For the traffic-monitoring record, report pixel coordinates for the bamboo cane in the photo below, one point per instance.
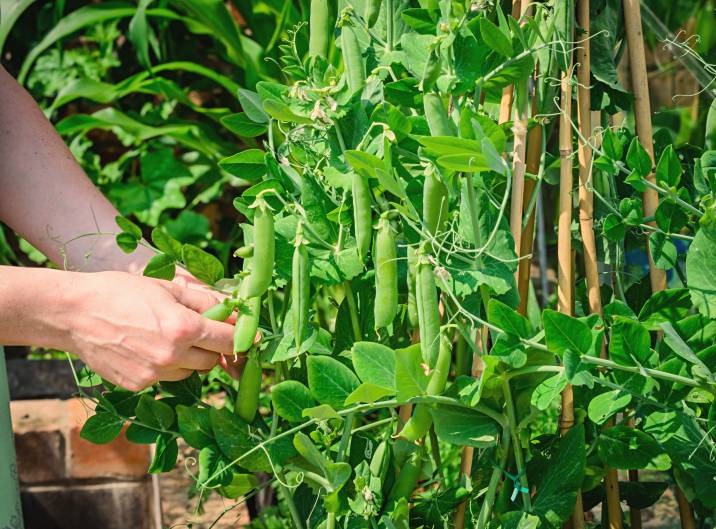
(642, 115)
(534, 154)
(508, 91)
(565, 259)
(586, 221)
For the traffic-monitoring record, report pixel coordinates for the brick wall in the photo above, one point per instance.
(68, 483)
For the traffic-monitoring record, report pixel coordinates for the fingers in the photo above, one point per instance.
(215, 336)
(172, 375)
(196, 300)
(197, 359)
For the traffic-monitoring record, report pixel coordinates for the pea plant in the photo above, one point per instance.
(410, 374)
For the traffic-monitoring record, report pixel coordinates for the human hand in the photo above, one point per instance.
(135, 331)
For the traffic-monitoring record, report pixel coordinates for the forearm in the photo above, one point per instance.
(33, 307)
(45, 195)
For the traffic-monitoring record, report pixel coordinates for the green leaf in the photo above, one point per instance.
(247, 165)
(495, 39)
(235, 439)
(290, 398)
(611, 145)
(330, 381)
(251, 104)
(374, 363)
(140, 435)
(701, 272)
(464, 427)
(126, 241)
(165, 454)
(243, 126)
(663, 251)
(102, 428)
(630, 344)
(368, 392)
(548, 391)
(410, 373)
(449, 145)
(665, 306)
(638, 159)
(613, 227)
(626, 448)
(186, 390)
(155, 413)
(604, 406)
(240, 485)
(194, 426)
(670, 217)
(202, 265)
(467, 163)
(281, 112)
(564, 332)
(508, 319)
(557, 492)
(161, 266)
(668, 170)
(322, 412)
(128, 226)
(167, 244)
(681, 348)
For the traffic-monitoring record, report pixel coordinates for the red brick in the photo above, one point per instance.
(39, 440)
(120, 458)
(97, 506)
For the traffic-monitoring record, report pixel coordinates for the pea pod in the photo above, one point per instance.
(362, 218)
(386, 275)
(321, 24)
(436, 114)
(245, 252)
(419, 424)
(407, 479)
(380, 460)
(372, 12)
(247, 323)
(435, 203)
(432, 70)
(219, 312)
(412, 302)
(261, 266)
(300, 287)
(353, 65)
(247, 400)
(428, 314)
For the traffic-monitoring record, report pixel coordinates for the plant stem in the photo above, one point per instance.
(517, 446)
(486, 509)
(353, 309)
(345, 438)
(390, 13)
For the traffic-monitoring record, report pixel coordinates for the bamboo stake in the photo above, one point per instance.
(642, 115)
(508, 91)
(534, 154)
(565, 259)
(586, 221)
(519, 163)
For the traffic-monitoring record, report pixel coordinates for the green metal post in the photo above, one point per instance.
(10, 512)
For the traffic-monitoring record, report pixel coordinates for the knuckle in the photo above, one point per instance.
(180, 329)
(165, 357)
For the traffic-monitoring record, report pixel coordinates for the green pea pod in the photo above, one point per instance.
(321, 25)
(435, 203)
(419, 424)
(247, 323)
(245, 252)
(412, 302)
(372, 12)
(300, 287)
(353, 65)
(436, 114)
(433, 69)
(407, 479)
(261, 272)
(247, 400)
(362, 218)
(219, 312)
(386, 275)
(380, 460)
(426, 295)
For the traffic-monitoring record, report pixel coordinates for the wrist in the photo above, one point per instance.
(37, 306)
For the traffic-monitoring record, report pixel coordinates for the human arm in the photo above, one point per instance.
(131, 330)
